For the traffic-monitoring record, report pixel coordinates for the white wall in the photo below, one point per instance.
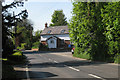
(65, 37)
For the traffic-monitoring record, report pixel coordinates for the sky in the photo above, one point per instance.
(40, 11)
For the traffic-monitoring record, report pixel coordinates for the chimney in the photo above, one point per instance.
(46, 25)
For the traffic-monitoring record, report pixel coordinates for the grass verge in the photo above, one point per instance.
(84, 56)
(8, 72)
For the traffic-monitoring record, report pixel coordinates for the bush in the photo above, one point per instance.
(22, 46)
(17, 56)
(43, 47)
(81, 55)
(7, 48)
(36, 45)
(117, 59)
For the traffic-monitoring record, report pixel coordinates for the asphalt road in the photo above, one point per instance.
(62, 65)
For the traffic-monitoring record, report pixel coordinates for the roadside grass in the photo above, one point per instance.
(17, 58)
(115, 59)
(8, 72)
(83, 55)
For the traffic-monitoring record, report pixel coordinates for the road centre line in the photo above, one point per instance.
(55, 61)
(74, 69)
(67, 66)
(96, 76)
(27, 74)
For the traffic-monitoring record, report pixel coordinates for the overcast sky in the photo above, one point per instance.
(40, 11)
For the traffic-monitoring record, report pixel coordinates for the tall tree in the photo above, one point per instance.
(25, 28)
(8, 21)
(36, 37)
(95, 30)
(86, 29)
(58, 18)
(111, 21)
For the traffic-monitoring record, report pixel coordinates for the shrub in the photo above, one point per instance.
(17, 56)
(36, 45)
(43, 47)
(22, 46)
(117, 59)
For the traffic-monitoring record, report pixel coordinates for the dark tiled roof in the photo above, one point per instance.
(55, 30)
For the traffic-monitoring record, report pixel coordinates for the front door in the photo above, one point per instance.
(52, 43)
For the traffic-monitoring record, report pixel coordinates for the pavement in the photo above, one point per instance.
(62, 65)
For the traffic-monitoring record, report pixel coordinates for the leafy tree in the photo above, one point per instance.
(8, 21)
(36, 36)
(58, 18)
(25, 28)
(86, 29)
(111, 22)
(36, 39)
(94, 29)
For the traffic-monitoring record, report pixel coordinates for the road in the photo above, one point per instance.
(49, 65)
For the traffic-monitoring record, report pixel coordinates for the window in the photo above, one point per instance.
(62, 41)
(52, 41)
(62, 31)
(49, 32)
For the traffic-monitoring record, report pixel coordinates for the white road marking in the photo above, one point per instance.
(27, 74)
(74, 69)
(55, 61)
(96, 76)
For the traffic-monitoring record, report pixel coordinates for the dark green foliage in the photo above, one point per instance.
(111, 22)
(95, 30)
(8, 21)
(36, 39)
(43, 47)
(8, 72)
(36, 45)
(16, 58)
(26, 36)
(36, 36)
(8, 48)
(58, 18)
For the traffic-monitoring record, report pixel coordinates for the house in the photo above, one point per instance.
(55, 37)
